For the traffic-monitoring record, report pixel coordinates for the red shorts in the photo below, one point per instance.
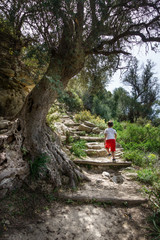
(111, 143)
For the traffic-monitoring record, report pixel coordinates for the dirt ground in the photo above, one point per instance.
(33, 213)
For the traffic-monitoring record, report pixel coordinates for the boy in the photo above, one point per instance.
(110, 140)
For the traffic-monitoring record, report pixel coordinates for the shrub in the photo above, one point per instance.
(87, 116)
(137, 157)
(117, 126)
(78, 148)
(146, 138)
(148, 176)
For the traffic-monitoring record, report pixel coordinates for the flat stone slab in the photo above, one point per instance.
(92, 139)
(96, 152)
(103, 163)
(71, 124)
(94, 146)
(104, 196)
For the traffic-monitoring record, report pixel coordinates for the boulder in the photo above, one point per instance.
(89, 124)
(96, 130)
(61, 128)
(85, 128)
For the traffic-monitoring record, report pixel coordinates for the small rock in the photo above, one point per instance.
(117, 179)
(106, 175)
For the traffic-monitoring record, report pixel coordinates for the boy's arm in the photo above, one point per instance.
(115, 136)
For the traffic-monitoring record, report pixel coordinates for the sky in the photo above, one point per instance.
(142, 57)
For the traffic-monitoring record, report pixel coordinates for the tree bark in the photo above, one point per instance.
(37, 137)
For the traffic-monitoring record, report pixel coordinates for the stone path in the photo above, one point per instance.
(108, 183)
(108, 207)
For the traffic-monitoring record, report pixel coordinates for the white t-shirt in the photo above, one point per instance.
(110, 133)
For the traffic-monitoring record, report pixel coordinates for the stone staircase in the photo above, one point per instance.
(109, 182)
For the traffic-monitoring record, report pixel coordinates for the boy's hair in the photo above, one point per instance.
(110, 124)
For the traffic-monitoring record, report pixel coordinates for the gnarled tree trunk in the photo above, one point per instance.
(37, 137)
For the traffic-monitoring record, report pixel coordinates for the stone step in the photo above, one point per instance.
(70, 124)
(65, 117)
(104, 196)
(92, 139)
(96, 152)
(100, 152)
(94, 146)
(99, 162)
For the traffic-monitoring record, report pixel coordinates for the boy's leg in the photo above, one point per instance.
(113, 149)
(113, 155)
(107, 147)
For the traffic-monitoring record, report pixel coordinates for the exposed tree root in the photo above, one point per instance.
(15, 153)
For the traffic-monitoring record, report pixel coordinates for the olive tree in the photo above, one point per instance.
(71, 30)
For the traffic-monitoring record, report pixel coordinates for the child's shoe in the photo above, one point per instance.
(109, 154)
(114, 160)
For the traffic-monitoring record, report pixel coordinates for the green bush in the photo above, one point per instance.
(137, 157)
(78, 148)
(148, 176)
(145, 138)
(87, 116)
(117, 126)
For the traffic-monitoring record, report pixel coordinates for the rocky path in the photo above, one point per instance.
(108, 182)
(110, 206)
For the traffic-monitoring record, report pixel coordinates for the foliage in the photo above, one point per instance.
(142, 146)
(87, 116)
(54, 114)
(117, 126)
(136, 156)
(155, 229)
(99, 107)
(36, 58)
(97, 71)
(72, 101)
(154, 219)
(78, 148)
(144, 90)
(148, 176)
(140, 137)
(38, 166)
